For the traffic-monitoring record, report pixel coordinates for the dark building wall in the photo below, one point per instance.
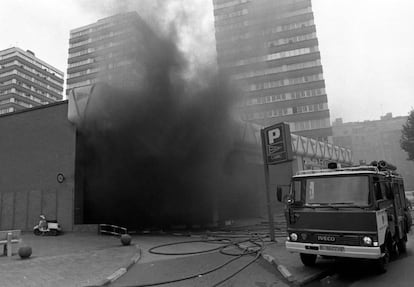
(36, 145)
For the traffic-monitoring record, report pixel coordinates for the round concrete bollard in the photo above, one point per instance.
(25, 252)
(126, 239)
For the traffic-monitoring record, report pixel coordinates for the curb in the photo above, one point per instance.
(281, 268)
(290, 277)
(121, 271)
(286, 273)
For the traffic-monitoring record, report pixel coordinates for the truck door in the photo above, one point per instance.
(399, 211)
(384, 202)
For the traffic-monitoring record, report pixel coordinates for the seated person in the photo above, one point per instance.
(42, 223)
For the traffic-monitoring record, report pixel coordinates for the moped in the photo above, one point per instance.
(53, 229)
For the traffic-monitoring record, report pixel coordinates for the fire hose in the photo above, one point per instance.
(256, 249)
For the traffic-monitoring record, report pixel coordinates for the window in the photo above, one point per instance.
(377, 189)
(7, 110)
(343, 190)
(297, 188)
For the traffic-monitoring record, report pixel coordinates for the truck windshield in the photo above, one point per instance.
(339, 190)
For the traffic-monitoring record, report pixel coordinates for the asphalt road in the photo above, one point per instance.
(258, 274)
(400, 272)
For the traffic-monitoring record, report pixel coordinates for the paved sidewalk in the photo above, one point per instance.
(89, 259)
(71, 259)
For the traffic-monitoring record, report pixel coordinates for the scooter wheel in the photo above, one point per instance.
(37, 232)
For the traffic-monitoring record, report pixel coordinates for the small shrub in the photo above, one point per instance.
(126, 239)
(25, 252)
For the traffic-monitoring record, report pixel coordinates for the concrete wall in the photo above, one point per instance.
(35, 146)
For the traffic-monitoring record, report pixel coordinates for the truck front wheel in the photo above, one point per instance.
(308, 259)
(382, 263)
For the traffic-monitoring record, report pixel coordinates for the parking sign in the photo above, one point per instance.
(276, 143)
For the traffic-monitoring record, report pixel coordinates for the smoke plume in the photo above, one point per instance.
(161, 151)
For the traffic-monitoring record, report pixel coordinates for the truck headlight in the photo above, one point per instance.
(293, 237)
(367, 240)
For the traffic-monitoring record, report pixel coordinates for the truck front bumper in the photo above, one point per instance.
(334, 250)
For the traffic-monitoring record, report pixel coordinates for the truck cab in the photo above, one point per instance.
(355, 212)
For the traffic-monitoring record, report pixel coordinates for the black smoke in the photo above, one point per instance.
(164, 151)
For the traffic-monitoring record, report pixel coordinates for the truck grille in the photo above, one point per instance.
(354, 240)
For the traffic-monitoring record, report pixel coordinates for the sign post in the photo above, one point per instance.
(276, 148)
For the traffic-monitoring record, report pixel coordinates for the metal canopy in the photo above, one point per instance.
(314, 149)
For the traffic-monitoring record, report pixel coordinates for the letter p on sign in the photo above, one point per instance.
(273, 135)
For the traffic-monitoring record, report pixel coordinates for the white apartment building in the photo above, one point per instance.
(26, 81)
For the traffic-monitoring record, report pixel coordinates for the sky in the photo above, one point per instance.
(366, 46)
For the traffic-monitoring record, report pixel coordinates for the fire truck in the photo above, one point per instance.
(355, 212)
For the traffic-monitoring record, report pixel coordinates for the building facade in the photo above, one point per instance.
(271, 50)
(26, 81)
(105, 51)
(39, 146)
(374, 141)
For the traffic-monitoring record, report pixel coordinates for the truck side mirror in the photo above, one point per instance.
(279, 193)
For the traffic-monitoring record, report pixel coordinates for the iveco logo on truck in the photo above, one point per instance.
(364, 206)
(326, 238)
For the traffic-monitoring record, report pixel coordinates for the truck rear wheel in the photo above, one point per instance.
(402, 244)
(394, 250)
(308, 259)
